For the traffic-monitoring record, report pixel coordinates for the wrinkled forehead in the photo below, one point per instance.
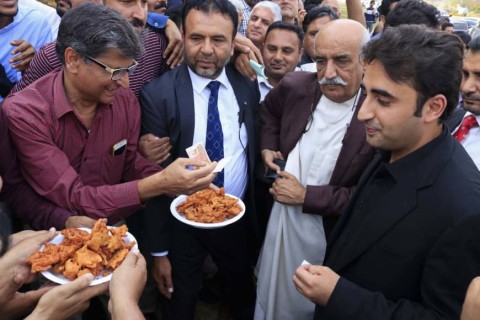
(335, 44)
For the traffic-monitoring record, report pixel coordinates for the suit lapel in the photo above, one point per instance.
(402, 200)
(246, 103)
(186, 109)
(376, 226)
(455, 118)
(345, 216)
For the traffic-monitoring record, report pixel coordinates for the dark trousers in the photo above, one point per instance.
(229, 250)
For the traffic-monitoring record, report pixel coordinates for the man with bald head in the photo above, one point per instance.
(316, 132)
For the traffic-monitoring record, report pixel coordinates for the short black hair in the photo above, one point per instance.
(474, 44)
(318, 12)
(413, 12)
(312, 3)
(174, 13)
(446, 24)
(427, 60)
(224, 7)
(465, 37)
(384, 8)
(281, 25)
(92, 29)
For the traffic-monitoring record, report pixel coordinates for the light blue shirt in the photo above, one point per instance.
(28, 24)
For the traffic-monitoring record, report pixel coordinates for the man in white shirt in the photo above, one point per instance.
(281, 53)
(467, 131)
(309, 120)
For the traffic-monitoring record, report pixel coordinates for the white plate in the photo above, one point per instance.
(60, 279)
(181, 217)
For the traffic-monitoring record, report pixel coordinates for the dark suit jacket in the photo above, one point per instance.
(415, 259)
(168, 110)
(455, 119)
(285, 113)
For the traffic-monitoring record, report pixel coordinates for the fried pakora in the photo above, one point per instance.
(210, 206)
(99, 252)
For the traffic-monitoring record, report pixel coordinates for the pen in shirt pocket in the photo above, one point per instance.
(119, 147)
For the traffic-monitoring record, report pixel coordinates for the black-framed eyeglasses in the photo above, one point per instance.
(116, 74)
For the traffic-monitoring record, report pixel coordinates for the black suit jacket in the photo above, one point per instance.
(415, 259)
(168, 110)
(455, 119)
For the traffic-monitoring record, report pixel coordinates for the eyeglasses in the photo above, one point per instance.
(116, 74)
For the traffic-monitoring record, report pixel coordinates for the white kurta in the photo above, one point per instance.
(293, 236)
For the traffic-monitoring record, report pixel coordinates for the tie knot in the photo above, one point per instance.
(469, 122)
(213, 86)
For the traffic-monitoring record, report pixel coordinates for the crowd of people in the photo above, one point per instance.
(354, 143)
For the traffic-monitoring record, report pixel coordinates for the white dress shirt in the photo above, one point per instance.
(471, 142)
(234, 137)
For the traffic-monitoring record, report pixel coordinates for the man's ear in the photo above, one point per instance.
(72, 60)
(301, 55)
(434, 108)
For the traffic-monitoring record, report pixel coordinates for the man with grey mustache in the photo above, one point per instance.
(310, 120)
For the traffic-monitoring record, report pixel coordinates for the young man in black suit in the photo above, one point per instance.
(179, 105)
(407, 245)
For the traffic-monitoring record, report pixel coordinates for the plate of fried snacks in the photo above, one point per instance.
(76, 251)
(208, 209)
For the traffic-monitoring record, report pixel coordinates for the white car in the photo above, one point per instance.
(462, 10)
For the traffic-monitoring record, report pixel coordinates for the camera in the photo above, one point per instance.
(271, 175)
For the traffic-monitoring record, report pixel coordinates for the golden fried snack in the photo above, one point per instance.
(99, 252)
(117, 258)
(209, 206)
(87, 258)
(71, 269)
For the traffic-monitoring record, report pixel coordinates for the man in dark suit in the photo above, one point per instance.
(310, 121)
(464, 122)
(178, 105)
(407, 245)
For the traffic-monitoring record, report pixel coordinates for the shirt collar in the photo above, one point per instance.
(468, 113)
(264, 82)
(62, 104)
(403, 166)
(199, 83)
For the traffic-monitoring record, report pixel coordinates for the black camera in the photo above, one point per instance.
(271, 175)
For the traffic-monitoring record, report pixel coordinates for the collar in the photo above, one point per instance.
(62, 105)
(468, 113)
(21, 11)
(403, 166)
(264, 82)
(156, 21)
(200, 83)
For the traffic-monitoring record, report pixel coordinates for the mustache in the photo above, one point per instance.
(334, 81)
(471, 96)
(136, 23)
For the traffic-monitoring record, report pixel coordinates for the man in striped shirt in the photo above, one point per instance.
(151, 64)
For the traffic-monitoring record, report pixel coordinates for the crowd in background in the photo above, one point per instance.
(352, 136)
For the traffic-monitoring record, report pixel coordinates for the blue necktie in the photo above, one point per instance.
(214, 143)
